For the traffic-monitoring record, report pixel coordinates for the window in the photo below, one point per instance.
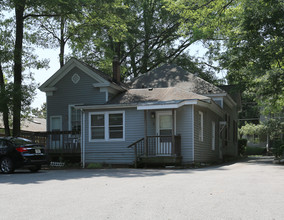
(107, 126)
(200, 116)
(74, 119)
(115, 126)
(98, 127)
(213, 135)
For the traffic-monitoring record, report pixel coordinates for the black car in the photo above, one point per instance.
(21, 153)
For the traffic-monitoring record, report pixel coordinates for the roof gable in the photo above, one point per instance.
(97, 75)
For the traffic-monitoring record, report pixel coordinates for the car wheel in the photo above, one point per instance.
(7, 165)
(35, 168)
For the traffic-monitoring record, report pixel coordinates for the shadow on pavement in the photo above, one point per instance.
(25, 177)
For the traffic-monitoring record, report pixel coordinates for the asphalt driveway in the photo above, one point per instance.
(252, 189)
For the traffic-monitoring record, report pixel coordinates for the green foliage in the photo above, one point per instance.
(94, 166)
(242, 144)
(254, 51)
(255, 151)
(252, 129)
(278, 148)
(275, 127)
(272, 126)
(143, 34)
(40, 112)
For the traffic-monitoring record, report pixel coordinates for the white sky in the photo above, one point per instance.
(43, 74)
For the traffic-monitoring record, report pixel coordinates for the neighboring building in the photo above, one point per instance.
(30, 124)
(166, 116)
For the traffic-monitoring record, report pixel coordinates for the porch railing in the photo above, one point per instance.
(56, 141)
(157, 146)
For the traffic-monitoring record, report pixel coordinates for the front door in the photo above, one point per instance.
(164, 128)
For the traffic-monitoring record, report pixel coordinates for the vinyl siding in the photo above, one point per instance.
(116, 152)
(184, 128)
(203, 149)
(68, 93)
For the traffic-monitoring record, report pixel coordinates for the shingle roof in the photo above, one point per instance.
(170, 75)
(155, 95)
(32, 125)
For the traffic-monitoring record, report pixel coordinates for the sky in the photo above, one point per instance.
(44, 74)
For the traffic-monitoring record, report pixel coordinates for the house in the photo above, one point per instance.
(165, 116)
(33, 124)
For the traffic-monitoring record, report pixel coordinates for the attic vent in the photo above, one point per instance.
(75, 78)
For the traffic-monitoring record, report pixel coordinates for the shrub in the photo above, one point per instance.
(255, 150)
(94, 166)
(277, 148)
(242, 143)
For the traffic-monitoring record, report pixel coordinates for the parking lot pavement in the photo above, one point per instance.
(251, 189)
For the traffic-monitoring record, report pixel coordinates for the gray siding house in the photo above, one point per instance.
(165, 116)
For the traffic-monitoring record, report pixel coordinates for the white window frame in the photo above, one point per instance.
(106, 118)
(213, 135)
(201, 126)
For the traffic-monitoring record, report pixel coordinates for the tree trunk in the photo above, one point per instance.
(4, 103)
(17, 93)
(62, 42)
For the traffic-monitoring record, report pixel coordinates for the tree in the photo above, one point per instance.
(40, 112)
(144, 35)
(5, 58)
(24, 11)
(254, 56)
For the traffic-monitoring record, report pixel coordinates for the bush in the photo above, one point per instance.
(277, 148)
(255, 150)
(242, 143)
(94, 166)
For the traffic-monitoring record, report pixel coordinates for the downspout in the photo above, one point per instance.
(145, 133)
(173, 132)
(83, 138)
(193, 133)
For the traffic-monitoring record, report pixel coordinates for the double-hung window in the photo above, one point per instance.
(98, 127)
(115, 126)
(107, 126)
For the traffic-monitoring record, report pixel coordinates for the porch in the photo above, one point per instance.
(157, 150)
(160, 144)
(58, 144)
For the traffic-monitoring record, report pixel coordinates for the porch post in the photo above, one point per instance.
(173, 132)
(145, 134)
